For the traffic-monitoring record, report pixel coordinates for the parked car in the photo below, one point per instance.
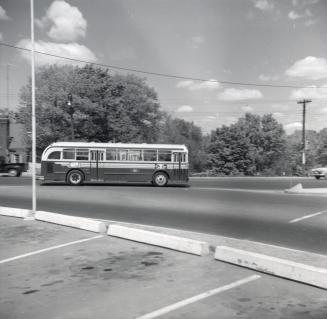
(319, 172)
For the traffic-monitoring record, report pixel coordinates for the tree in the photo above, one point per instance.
(178, 131)
(252, 145)
(293, 158)
(322, 148)
(104, 108)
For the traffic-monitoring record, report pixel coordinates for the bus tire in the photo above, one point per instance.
(160, 179)
(75, 178)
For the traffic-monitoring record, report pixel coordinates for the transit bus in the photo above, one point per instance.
(78, 162)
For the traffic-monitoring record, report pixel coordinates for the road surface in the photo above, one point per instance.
(246, 208)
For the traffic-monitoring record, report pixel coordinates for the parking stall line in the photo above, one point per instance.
(48, 249)
(306, 217)
(199, 297)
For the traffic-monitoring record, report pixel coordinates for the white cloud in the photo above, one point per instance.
(196, 41)
(3, 14)
(264, 5)
(211, 84)
(324, 110)
(310, 67)
(232, 94)
(302, 3)
(1, 36)
(66, 22)
(313, 92)
(278, 115)
(70, 50)
(185, 109)
(291, 127)
(247, 108)
(307, 15)
(294, 15)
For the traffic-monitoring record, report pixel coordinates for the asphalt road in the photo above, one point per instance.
(246, 208)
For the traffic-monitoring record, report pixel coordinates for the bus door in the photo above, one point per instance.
(97, 165)
(177, 166)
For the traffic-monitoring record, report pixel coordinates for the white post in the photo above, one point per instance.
(33, 113)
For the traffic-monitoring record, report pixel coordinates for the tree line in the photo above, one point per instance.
(123, 108)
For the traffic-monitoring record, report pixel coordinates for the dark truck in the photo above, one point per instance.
(12, 160)
(13, 169)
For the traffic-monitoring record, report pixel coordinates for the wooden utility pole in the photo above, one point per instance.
(304, 102)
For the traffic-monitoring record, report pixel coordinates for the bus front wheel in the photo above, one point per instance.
(160, 179)
(75, 178)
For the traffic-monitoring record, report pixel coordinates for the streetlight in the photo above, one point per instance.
(71, 111)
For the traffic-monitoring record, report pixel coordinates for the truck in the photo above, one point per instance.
(13, 169)
(11, 159)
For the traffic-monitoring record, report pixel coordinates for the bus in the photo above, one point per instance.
(77, 162)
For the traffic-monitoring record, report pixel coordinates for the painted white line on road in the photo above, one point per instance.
(306, 217)
(199, 297)
(48, 249)
(268, 191)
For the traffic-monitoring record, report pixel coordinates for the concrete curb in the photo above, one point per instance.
(273, 266)
(72, 221)
(298, 189)
(15, 212)
(182, 244)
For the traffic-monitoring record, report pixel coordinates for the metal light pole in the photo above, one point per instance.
(33, 113)
(71, 113)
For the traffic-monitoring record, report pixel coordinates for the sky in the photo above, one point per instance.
(221, 58)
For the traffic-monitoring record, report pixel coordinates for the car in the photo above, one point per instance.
(319, 172)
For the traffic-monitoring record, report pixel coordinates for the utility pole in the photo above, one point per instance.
(304, 102)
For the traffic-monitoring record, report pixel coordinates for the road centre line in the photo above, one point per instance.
(199, 297)
(48, 249)
(306, 217)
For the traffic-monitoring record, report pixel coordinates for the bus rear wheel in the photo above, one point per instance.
(160, 179)
(75, 178)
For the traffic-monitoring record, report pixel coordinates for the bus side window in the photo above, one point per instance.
(68, 153)
(164, 156)
(54, 155)
(82, 154)
(122, 155)
(111, 154)
(134, 155)
(150, 155)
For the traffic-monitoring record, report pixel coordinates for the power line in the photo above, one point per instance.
(162, 74)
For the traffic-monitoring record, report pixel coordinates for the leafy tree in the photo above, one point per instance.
(178, 131)
(252, 145)
(104, 107)
(322, 148)
(293, 159)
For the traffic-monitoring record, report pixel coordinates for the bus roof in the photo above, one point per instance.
(119, 145)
